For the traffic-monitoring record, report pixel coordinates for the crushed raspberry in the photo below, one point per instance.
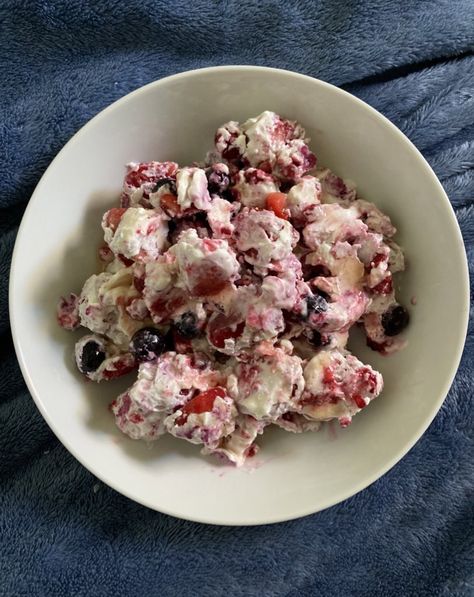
(384, 287)
(266, 167)
(231, 154)
(309, 159)
(149, 172)
(377, 346)
(125, 406)
(328, 376)
(251, 451)
(368, 378)
(359, 400)
(219, 334)
(378, 259)
(255, 175)
(67, 312)
(125, 260)
(135, 178)
(284, 130)
(345, 421)
(136, 418)
(120, 367)
(139, 283)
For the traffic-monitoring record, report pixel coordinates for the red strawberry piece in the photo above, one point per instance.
(204, 401)
(114, 216)
(276, 203)
(120, 367)
(378, 259)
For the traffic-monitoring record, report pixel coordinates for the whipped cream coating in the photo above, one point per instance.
(267, 386)
(141, 234)
(248, 272)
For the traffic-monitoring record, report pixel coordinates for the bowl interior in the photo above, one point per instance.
(292, 475)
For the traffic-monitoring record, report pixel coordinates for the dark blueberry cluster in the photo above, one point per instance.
(147, 344)
(317, 303)
(395, 320)
(218, 181)
(186, 326)
(170, 182)
(92, 357)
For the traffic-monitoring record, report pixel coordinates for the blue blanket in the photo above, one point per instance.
(64, 533)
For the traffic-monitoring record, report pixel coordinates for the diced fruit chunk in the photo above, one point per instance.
(276, 202)
(114, 216)
(169, 203)
(203, 402)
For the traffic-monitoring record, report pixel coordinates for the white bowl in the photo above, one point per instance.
(293, 475)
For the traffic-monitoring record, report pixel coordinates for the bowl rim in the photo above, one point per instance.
(461, 331)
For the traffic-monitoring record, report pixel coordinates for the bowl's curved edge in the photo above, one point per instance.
(443, 392)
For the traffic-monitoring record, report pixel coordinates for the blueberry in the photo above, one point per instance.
(395, 320)
(147, 344)
(218, 182)
(166, 181)
(317, 303)
(186, 325)
(93, 355)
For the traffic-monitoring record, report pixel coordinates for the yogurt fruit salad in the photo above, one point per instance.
(230, 287)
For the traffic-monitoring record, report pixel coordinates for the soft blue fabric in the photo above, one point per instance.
(64, 533)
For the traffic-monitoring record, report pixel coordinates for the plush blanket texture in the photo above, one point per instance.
(64, 533)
